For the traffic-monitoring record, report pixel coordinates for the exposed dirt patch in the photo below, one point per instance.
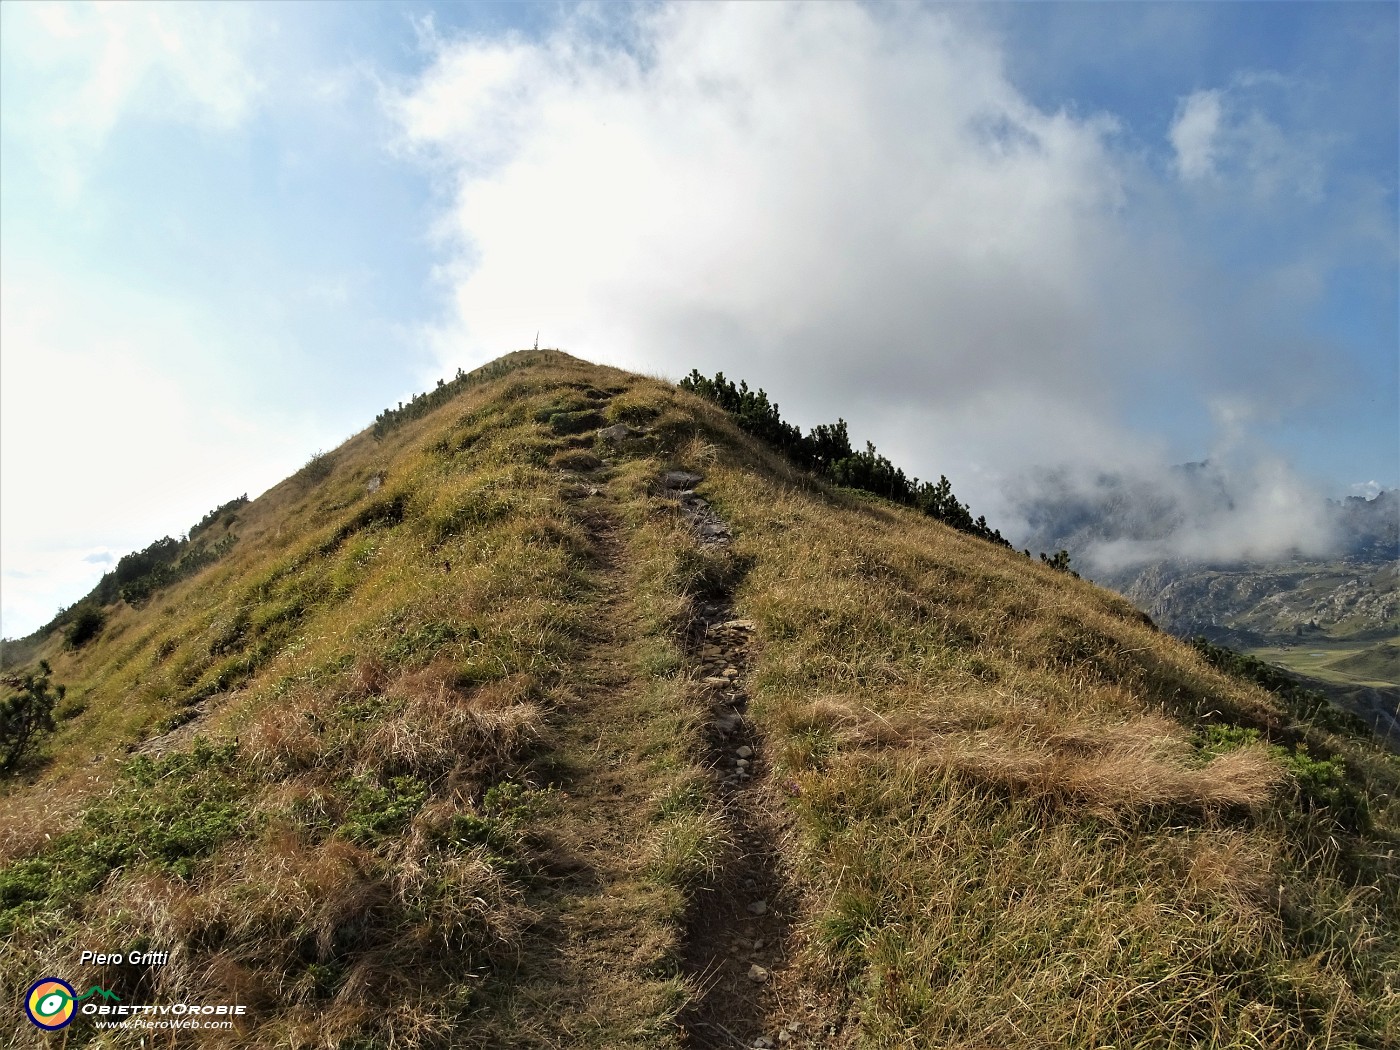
(739, 932)
(195, 719)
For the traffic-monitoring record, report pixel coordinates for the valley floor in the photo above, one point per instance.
(1349, 662)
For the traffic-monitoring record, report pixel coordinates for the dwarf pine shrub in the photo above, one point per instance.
(827, 451)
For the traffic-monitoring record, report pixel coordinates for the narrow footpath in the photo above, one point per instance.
(738, 932)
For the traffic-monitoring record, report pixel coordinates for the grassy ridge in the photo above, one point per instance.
(1022, 823)
(367, 841)
(420, 766)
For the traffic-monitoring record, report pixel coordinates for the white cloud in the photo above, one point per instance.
(1193, 134)
(101, 436)
(1241, 508)
(814, 184)
(1231, 132)
(855, 207)
(74, 71)
(1268, 513)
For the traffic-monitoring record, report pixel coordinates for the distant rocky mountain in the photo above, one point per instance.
(1205, 553)
(1370, 527)
(1248, 606)
(1314, 588)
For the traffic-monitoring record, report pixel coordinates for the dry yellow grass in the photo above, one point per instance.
(449, 784)
(1014, 832)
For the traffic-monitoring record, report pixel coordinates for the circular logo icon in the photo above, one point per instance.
(49, 1003)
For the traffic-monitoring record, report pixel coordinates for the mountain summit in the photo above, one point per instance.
(556, 710)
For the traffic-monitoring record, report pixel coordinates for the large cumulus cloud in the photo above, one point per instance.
(857, 208)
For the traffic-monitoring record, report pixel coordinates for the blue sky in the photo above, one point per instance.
(998, 239)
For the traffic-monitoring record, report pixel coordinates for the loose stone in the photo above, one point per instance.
(619, 433)
(680, 479)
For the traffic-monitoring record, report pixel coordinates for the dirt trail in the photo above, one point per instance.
(593, 970)
(739, 932)
(602, 962)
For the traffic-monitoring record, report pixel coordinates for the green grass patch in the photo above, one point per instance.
(167, 813)
(374, 811)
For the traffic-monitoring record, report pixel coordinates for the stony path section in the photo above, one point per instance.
(709, 526)
(738, 932)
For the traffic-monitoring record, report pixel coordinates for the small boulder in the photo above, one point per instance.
(618, 433)
(681, 479)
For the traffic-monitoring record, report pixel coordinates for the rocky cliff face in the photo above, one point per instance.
(1257, 605)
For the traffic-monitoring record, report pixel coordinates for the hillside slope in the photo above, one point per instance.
(556, 711)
